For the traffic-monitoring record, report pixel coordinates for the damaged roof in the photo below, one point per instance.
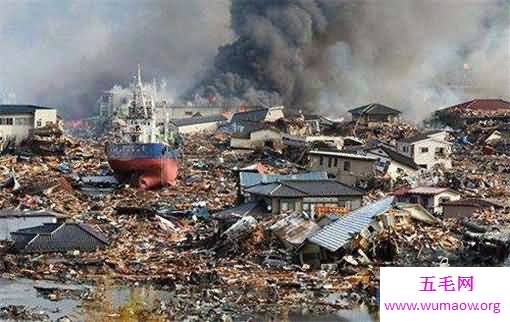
(482, 105)
(474, 202)
(304, 188)
(10, 213)
(421, 136)
(427, 191)
(199, 120)
(338, 233)
(400, 158)
(294, 229)
(257, 115)
(344, 155)
(374, 108)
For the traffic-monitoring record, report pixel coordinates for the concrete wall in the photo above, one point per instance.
(274, 114)
(45, 117)
(257, 139)
(12, 224)
(298, 204)
(358, 168)
(22, 123)
(426, 153)
(444, 197)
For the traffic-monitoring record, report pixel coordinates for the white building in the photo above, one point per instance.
(393, 164)
(12, 220)
(428, 149)
(199, 124)
(16, 121)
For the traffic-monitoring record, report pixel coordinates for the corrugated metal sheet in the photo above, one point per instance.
(338, 233)
(248, 179)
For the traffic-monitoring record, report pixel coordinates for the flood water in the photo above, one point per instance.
(22, 292)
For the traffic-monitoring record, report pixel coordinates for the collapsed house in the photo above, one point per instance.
(343, 235)
(432, 198)
(477, 110)
(348, 168)
(463, 208)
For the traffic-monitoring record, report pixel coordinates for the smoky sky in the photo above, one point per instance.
(65, 53)
(315, 55)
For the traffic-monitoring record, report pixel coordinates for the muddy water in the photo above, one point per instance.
(22, 292)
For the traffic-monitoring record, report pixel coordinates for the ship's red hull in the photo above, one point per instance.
(150, 173)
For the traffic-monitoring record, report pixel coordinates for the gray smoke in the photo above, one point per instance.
(327, 55)
(65, 53)
(334, 55)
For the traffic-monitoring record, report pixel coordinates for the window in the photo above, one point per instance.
(306, 206)
(336, 162)
(188, 113)
(321, 160)
(413, 200)
(347, 165)
(405, 149)
(330, 162)
(284, 206)
(6, 121)
(39, 123)
(22, 121)
(424, 150)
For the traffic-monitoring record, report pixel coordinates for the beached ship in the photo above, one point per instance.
(142, 151)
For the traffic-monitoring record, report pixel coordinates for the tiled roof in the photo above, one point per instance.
(248, 179)
(11, 109)
(338, 233)
(198, 120)
(482, 105)
(58, 238)
(304, 188)
(374, 109)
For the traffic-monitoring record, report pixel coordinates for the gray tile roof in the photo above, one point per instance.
(28, 213)
(11, 109)
(305, 188)
(58, 238)
(199, 120)
(248, 179)
(375, 108)
(338, 233)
